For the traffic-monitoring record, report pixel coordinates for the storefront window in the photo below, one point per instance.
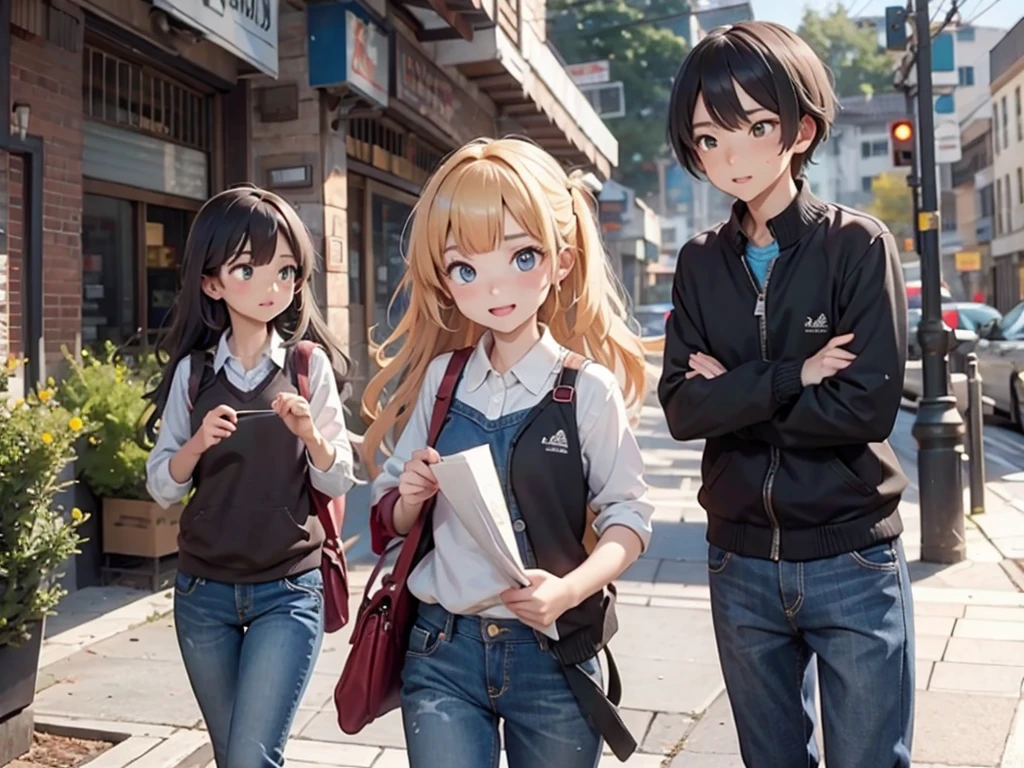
(108, 270)
(356, 213)
(166, 232)
(389, 216)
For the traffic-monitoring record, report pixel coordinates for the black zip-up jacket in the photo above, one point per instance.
(791, 472)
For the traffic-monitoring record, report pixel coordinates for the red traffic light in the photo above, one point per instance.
(902, 134)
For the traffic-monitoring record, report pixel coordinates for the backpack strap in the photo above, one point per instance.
(565, 386)
(198, 360)
(299, 359)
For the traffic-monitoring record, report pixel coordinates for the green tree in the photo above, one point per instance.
(858, 63)
(644, 54)
(893, 205)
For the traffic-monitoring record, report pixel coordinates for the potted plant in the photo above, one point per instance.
(37, 438)
(109, 390)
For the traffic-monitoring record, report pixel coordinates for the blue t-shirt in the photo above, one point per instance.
(759, 257)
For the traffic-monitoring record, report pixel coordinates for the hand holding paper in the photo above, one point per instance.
(541, 603)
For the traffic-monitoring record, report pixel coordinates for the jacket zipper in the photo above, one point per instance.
(760, 312)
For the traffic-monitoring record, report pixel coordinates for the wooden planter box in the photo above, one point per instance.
(140, 528)
(18, 668)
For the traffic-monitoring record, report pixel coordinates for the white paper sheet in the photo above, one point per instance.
(469, 481)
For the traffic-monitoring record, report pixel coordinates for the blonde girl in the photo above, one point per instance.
(505, 257)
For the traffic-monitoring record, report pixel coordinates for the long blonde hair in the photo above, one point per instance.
(467, 197)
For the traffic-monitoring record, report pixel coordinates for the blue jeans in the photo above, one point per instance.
(463, 673)
(852, 614)
(249, 650)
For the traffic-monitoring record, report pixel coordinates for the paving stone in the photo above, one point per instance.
(155, 640)
(174, 751)
(642, 571)
(386, 731)
(680, 602)
(715, 733)
(988, 629)
(975, 651)
(923, 674)
(163, 695)
(320, 691)
(674, 573)
(994, 613)
(941, 626)
(706, 760)
(949, 610)
(657, 632)
(329, 753)
(977, 678)
(666, 731)
(638, 722)
(655, 685)
(961, 729)
(930, 647)
(125, 753)
(636, 761)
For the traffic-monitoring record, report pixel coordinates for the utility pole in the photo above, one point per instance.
(913, 180)
(939, 428)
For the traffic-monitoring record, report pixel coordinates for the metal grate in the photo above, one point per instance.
(129, 95)
(391, 149)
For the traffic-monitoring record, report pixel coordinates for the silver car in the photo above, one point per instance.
(1001, 362)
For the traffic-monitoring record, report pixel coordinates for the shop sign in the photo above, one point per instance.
(968, 261)
(421, 85)
(590, 72)
(347, 50)
(246, 28)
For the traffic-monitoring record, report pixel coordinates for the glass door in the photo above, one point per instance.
(389, 212)
(166, 233)
(109, 311)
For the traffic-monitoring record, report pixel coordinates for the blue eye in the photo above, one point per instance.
(526, 260)
(461, 273)
(243, 272)
(287, 274)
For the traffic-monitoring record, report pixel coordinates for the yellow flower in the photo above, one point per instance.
(19, 402)
(12, 364)
(93, 440)
(85, 353)
(77, 515)
(47, 438)
(75, 424)
(50, 381)
(45, 395)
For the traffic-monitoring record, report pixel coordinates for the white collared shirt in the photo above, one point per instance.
(456, 573)
(325, 407)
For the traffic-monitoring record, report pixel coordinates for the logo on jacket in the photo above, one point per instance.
(557, 443)
(816, 326)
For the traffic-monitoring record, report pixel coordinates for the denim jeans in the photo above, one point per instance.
(852, 615)
(249, 650)
(463, 673)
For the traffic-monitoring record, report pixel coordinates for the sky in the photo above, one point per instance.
(1004, 13)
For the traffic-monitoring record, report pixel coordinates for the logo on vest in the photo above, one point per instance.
(816, 326)
(557, 443)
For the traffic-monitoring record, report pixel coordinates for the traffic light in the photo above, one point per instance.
(901, 134)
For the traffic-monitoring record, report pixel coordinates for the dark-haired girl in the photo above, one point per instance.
(234, 431)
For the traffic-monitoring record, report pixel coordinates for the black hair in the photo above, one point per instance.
(770, 63)
(242, 218)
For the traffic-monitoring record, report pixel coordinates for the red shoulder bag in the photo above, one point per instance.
(370, 683)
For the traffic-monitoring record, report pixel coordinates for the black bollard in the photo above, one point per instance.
(976, 441)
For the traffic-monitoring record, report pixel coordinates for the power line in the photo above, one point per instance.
(982, 12)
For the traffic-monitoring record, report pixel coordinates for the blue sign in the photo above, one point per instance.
(347, 49)
(943, 53)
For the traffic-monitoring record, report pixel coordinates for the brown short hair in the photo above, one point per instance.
(769, 62)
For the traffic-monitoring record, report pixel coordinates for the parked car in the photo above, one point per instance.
(652, 318)
(962, 315)
(1000, 352)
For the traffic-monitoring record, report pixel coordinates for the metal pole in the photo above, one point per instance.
(913, 180)
(938, 429)
(976, 439)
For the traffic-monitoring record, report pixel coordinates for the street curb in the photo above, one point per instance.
(135, 745)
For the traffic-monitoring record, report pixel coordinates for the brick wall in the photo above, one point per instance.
(48, 79)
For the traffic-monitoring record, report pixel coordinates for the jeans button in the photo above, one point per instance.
(518, 526)
(492, 630)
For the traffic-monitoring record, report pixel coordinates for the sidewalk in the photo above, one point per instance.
(122, 670)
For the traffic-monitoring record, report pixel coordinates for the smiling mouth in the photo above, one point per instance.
(508, 309)
(742, 179)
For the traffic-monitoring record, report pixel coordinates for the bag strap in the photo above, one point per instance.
(300, 362)
(565, 386)
(442, 402)
(197, 370)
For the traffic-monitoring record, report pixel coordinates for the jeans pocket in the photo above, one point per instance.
(424, 640)
(309, 583)
(718, 559)
(185, 583)
(877, 557)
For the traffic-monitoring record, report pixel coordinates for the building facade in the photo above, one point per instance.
(142, 110)
(1007, 69)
